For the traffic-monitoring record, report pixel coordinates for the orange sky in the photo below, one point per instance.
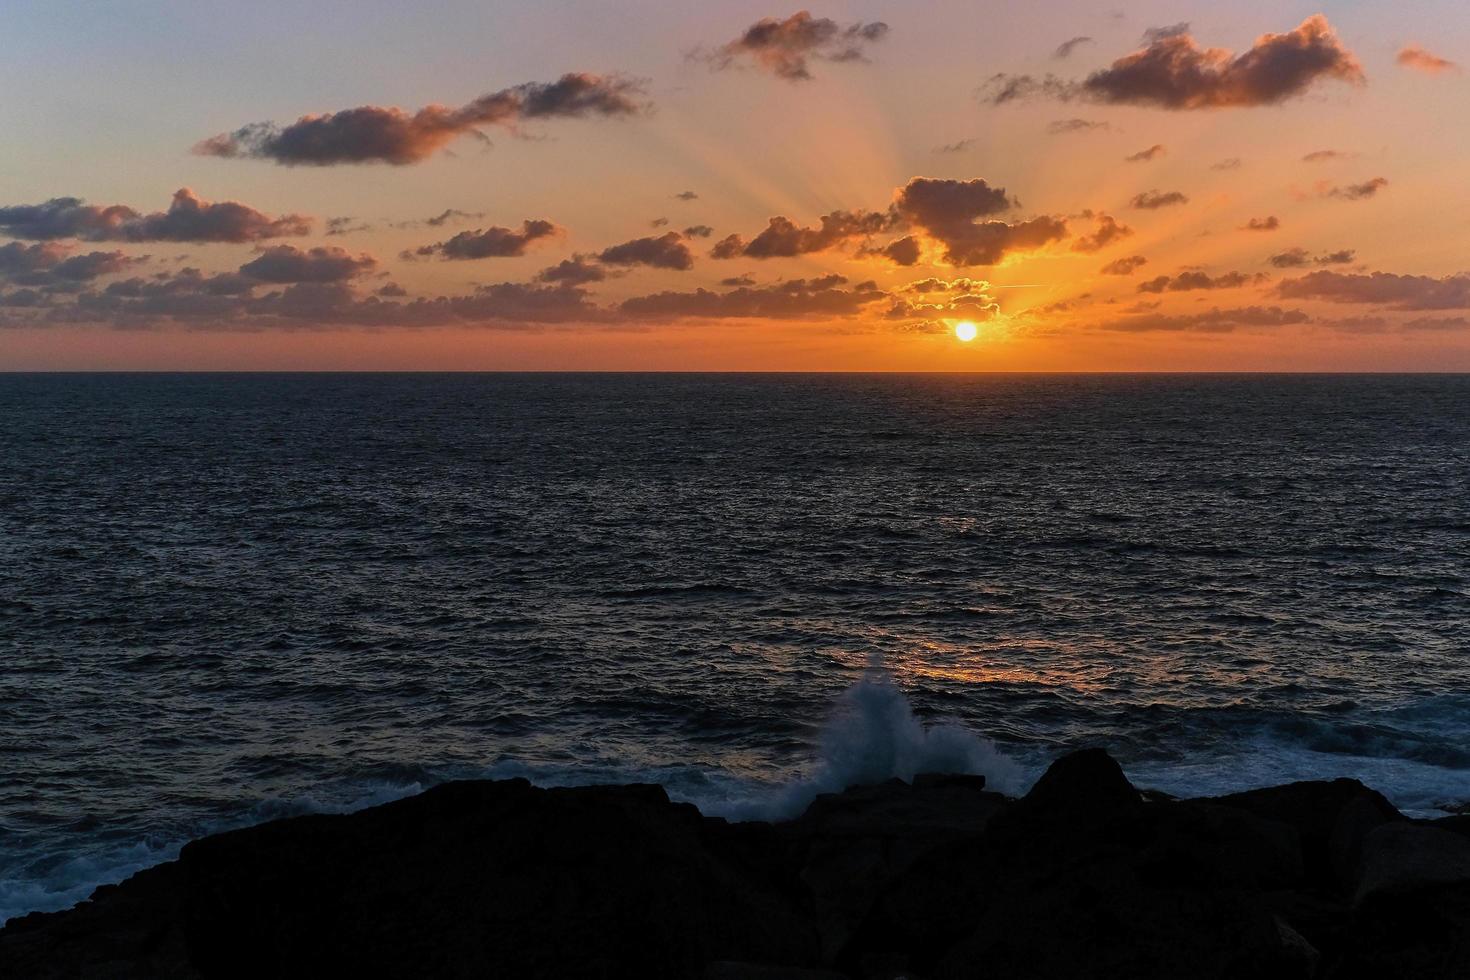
(737, 188)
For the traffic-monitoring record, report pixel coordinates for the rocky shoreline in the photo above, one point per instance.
(1083, 877)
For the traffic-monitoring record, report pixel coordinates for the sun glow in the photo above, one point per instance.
(966, 331)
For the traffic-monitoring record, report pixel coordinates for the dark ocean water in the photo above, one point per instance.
(224, 598)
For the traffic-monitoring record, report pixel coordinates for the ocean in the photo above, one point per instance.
(225, 598)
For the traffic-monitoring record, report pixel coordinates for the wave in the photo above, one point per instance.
(870, 735)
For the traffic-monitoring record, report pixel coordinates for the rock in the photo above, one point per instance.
(1332, 820)
(855, 843)
(1400, 857)
(1085, 783)
(1082, 878)
(730, 970)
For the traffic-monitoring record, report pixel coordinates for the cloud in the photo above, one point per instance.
(1211, 321)
(494, 242)
(949, 211)
(1296, 258)
(1415, 57)
(1438, 323)
(729, 247)
(1153, 35)
(1153, 200)
(1389, 289)
(905, 251)
(663, 252)
(216, 302)
(959, 146)
(745, 280)
(793, 299)
(786, 48)
(452, 214)
(1065, 49)
(390, 290)
(1191, 280)
(1357, 192)
(659, 223)
(1152, 153)
(345, 226)
(1268, 223)
(18, 259)
(686, 196)
(698, 231)
(287, 264)
(1173, 72)
(1108, 231)
(1322, 156)
(1060, 127)
(188, 219)
(783, 238)
(1124, 267)
(1231, 163)
(575, 271)
(388, 134)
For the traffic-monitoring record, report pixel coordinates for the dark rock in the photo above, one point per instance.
(1082, 878)
(1400, 857)
(1332, 820)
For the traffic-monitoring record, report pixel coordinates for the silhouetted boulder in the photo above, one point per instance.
(1084, 877)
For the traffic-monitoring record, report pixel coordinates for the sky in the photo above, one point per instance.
(650, 185)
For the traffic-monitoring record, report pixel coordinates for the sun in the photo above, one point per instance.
(966, 331)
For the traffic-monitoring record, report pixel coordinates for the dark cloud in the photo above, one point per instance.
(1191, 280)
(959, 146)
(1060, 127)
(575, 271)
(949, 212)
(495, 242)
(698, 231)
(659, 223)
(288, 264)
(663, 252)
(93, 265)
(745, 280)
(1211, 321)
(1438, 323)
(1415, 57)
(905, 251)
(686, 196)
(1383, 288)
(1152, 153)
(1357, 192)
(1124, 267)
(729, 247)
(390, 290)
(188, 219)
(1065, 49)
(827, 296)
(1173, 72)
(387, 134)
(18, 259)
(961, 285)
(784, 238)
(786, 48)
(1292, 258)
(1322, 156)
(1296, 258)
(345, 226)
(1153, 200)
(1232, 163)
(452, 214)
(1268, 223)
(1156, 34)
(1108, 231)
